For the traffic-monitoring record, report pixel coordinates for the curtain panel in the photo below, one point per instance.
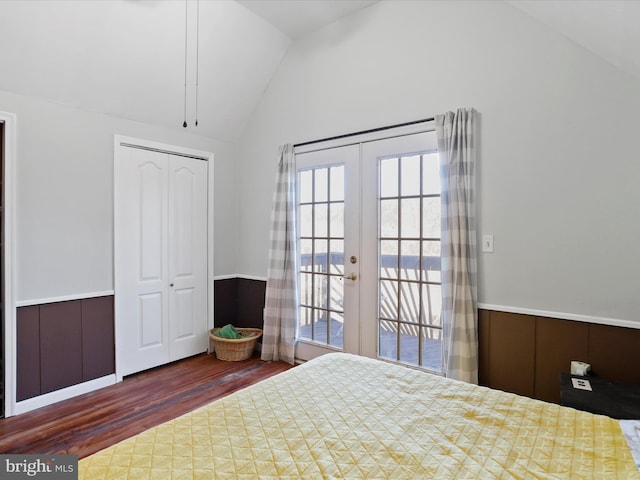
(457, 151)
(281, 297)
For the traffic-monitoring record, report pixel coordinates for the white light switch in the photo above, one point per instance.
(487, 243)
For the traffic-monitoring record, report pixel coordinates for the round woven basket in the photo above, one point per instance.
(235, 349)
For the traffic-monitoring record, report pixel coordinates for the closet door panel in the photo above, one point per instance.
(187, 256)
(141, 253)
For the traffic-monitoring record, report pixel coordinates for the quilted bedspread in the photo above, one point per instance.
(343, 416)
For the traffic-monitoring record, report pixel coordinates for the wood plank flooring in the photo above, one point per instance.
(88, 423)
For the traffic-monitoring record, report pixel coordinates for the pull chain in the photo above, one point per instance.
(197, 56)
(184, 124)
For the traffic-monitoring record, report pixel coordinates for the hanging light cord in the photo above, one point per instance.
(197, 56)
(184, 124)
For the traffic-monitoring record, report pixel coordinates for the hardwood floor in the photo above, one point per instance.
(88, 423)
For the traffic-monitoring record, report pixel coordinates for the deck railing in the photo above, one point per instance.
(331, 265)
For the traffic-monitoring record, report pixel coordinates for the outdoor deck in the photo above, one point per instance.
(388, 344)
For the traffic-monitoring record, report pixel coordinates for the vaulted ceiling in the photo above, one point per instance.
(127, 57)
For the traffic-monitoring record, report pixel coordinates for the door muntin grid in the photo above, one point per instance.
(321, 246)
(409, 282)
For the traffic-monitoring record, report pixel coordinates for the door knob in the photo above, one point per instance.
(351, 276)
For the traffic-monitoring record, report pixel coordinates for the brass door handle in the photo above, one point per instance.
(351, 276)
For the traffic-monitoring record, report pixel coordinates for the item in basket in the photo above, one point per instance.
(228, 331)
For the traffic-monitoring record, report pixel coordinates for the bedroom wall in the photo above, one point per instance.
(558, 166)
(64, 204)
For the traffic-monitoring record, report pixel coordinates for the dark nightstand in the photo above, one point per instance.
(616, 400)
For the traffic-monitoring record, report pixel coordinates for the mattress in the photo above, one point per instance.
(345, 416)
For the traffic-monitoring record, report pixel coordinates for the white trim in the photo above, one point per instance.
(237, 275)
(63, 298)
(614, 322)
(120, 142)
(211, 250)
(64, 394)
(10, 342)
(225, 277)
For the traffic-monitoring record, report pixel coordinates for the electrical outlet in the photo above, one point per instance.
(487, 243)
(581, 384)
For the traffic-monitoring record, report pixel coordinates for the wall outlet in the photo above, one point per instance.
(581, 384)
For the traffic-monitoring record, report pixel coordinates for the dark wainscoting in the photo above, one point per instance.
(62, 344)
(239, 301)
(525, 354)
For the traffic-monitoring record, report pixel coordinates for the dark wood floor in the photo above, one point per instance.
(88, 423)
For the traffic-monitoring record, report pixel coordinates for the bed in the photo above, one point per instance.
(345, 416)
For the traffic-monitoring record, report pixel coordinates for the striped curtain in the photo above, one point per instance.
(281, 307)
(457, 151)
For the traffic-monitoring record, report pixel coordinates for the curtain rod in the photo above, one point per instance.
(373, 130)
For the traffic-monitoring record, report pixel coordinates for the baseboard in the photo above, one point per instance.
(63, 394)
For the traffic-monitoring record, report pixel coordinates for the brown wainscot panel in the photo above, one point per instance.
(250, 302)
(614, 353)
(557, 343)
(28, 353)
(98, 342)
(512, 353)
(60, 345)
(526, 354)
(484, 346)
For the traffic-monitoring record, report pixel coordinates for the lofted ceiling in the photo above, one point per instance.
(608, 28)
(126, 58)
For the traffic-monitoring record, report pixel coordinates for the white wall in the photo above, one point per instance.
(558, 164)
(64, 189)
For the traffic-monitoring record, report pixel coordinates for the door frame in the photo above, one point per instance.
(8, 262)
(368, 271)
(121, 142)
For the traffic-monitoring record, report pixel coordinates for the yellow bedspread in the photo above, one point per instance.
(343, 416)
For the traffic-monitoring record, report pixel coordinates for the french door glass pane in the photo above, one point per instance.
(389, 259)
(389, 177)
(389, 211)
(321, 240)
(431, 174)
(410, 217)
(337, 184)
(410, 304)
(410, 176)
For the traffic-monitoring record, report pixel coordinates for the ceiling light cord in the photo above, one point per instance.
(184, 124)
(197, 55)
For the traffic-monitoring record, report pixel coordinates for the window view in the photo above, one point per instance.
(410, 326)
(321, 244)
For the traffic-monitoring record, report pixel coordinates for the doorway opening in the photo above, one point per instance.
(2, 303)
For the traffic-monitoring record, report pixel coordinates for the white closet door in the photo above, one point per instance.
(142, 201)
(160, 258)
(187, 256)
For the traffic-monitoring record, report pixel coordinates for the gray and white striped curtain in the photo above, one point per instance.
(457, 151)
(281, 299)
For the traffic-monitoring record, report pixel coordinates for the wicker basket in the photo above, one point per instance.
(235, 349)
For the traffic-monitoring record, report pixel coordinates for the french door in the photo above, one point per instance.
(328, 244)
(369, 242)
